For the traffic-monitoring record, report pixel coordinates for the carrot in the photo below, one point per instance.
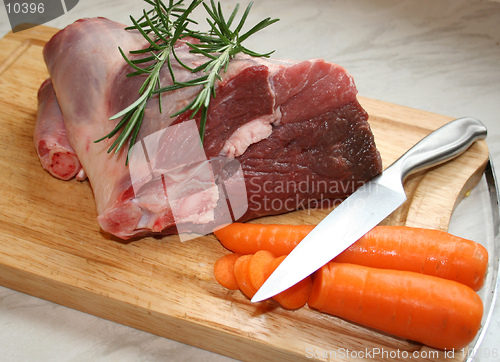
(247, 238)
(426, 251)
(262, 265)
(258, 267)
(224, 271)
(297, 295)
(249, 272)
(242, 276)
(437, 312)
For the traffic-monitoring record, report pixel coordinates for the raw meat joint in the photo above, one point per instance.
(279, 135)
(51, 142)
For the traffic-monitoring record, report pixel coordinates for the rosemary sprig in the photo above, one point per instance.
(162, 27)
(166, 25)
(219, 45)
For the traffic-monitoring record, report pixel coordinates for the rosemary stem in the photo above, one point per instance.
(161, 28)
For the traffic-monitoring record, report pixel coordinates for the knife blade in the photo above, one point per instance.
(369, 205)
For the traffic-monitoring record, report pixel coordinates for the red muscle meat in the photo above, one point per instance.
(296, 129)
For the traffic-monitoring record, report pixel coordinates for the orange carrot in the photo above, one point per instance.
(242, 276)
(434, 311)
(426, 251)
(249, 272)
(224, 271)
(247, 238)
(258, 267)
(262, 265)
(297, 295)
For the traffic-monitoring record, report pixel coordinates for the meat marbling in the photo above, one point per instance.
(296, 129)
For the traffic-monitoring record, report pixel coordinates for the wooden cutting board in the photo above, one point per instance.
(52, 247)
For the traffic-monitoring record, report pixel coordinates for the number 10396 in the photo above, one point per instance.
(25, 8)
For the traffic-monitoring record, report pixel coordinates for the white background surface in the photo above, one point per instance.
(440, 56)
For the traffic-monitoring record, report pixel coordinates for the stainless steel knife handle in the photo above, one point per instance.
(443, 144)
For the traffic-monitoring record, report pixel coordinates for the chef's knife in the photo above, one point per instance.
(369, 205)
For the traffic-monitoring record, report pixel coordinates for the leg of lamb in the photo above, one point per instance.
(296, 129)
(51, 142)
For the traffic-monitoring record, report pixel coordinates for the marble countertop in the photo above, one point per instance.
(439, 56)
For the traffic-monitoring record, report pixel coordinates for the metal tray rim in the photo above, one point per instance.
(490, 298)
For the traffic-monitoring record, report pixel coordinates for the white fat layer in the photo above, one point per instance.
(251, 132)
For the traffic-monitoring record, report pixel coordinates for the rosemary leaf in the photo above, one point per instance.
(132, 64)
(164, 25)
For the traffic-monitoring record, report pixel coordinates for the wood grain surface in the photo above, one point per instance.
(52, 247)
